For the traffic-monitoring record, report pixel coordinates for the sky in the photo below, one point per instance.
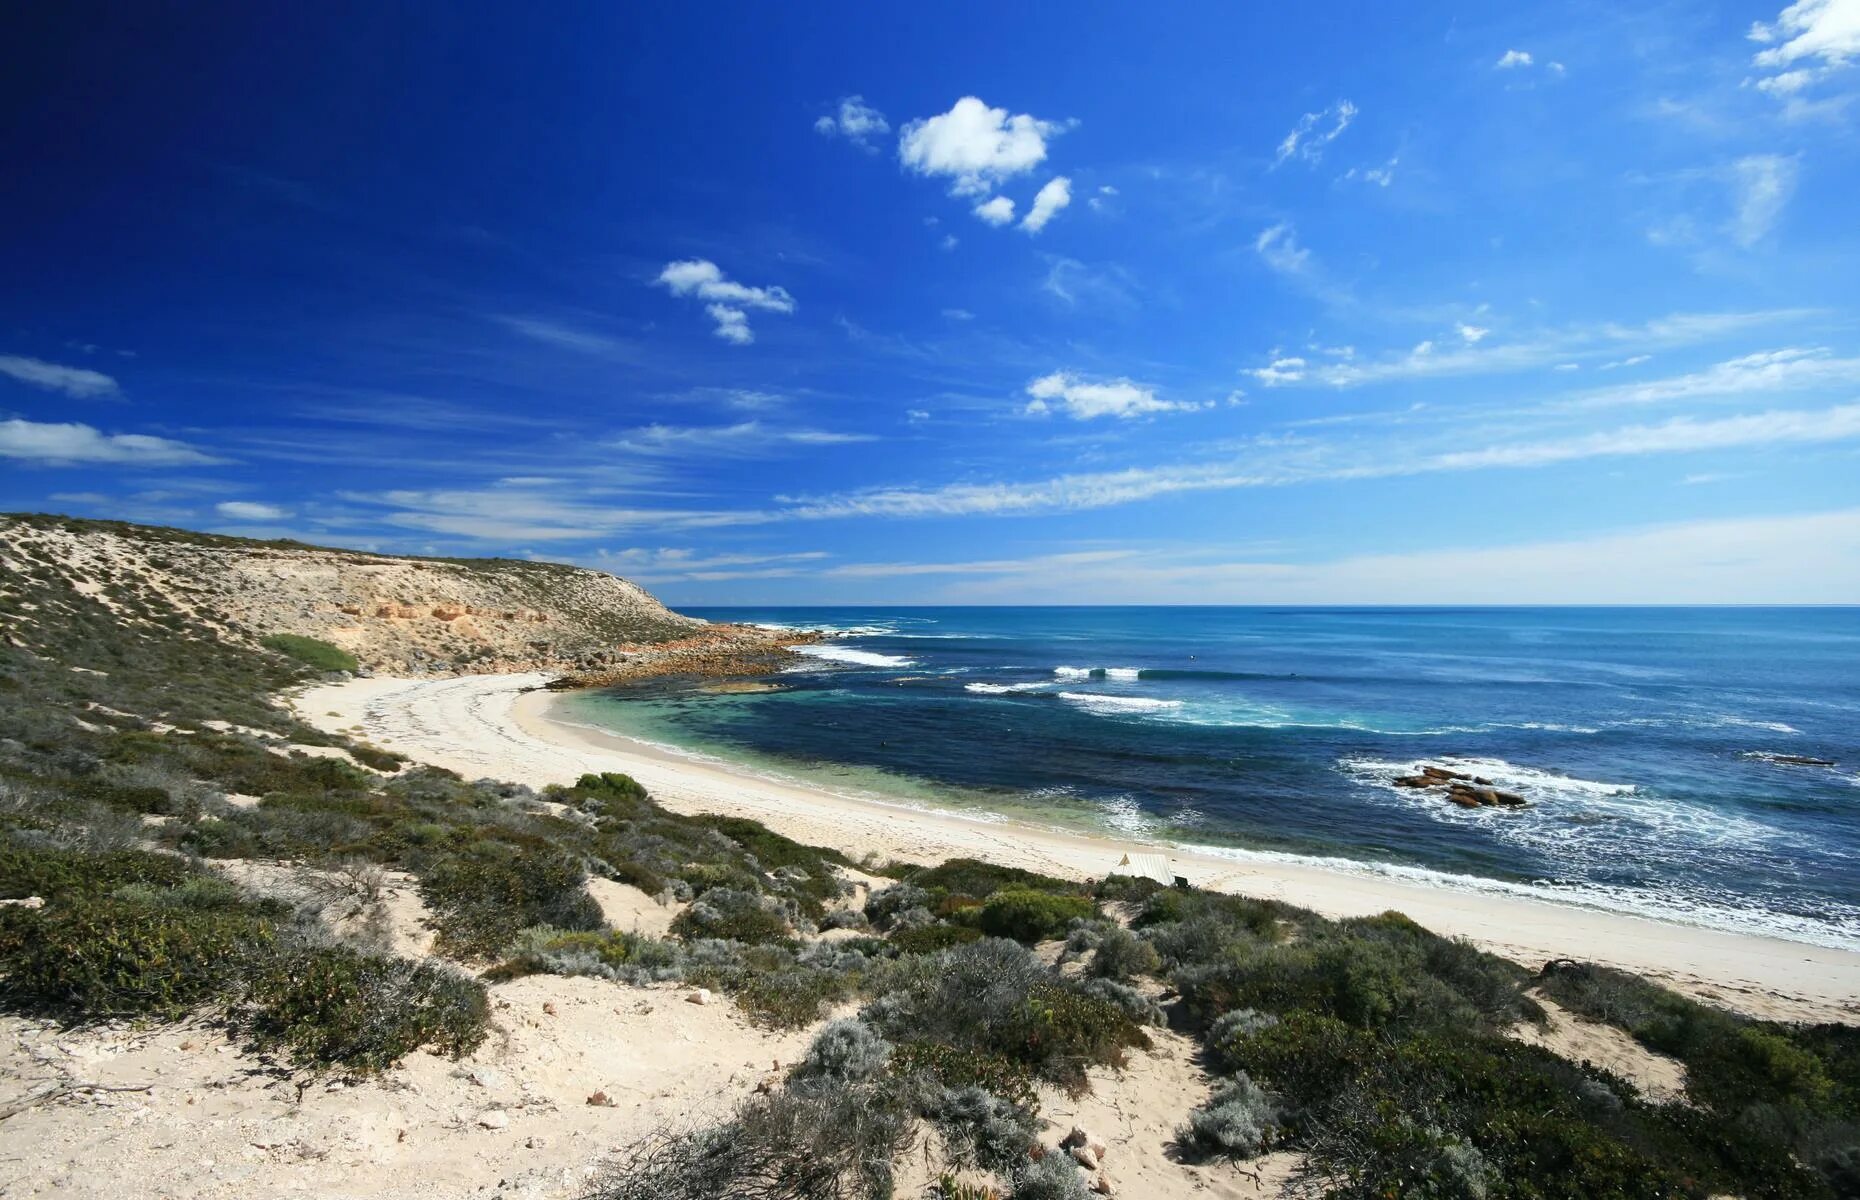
(759, 304)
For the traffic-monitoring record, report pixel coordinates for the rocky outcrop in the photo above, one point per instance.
(1461, 788)
(396, 615)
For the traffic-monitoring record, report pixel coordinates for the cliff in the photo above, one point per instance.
(395, 614)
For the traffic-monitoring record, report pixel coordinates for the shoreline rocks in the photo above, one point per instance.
(1461, 787)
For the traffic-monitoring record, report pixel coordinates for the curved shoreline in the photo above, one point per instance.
(500, 726)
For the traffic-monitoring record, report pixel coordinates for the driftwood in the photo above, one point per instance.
(53, 1094)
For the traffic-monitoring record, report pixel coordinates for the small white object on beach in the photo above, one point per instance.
(701, 996)
(496, 1118)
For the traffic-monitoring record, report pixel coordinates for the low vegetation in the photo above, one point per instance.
(139, 750)
(311, 652)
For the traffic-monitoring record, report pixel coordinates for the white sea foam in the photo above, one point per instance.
(1003, 689)
(1124, 674)
(1110, 705)
(852, 656)
(1072, 672)
(1525, 780)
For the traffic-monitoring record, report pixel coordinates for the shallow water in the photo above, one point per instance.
(1636, 734)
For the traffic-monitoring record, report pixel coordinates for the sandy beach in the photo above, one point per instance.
(500, 726)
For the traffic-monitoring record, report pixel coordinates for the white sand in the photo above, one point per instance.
(498, 726)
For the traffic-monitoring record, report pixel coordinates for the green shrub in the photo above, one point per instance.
(1032, 916)
(1239, 1120)
(335, 1008)
(972, 877)
(957, 1068)
(732, 915)
(1122, 954)
(790, 998)
(54, 873)
(94, 957)
(1131, 889)
(928, 939)
(482, 897)
(311, 652)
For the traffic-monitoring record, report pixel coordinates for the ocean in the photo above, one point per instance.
(1645, 740)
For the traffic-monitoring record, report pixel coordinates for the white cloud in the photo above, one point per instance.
(856, 121)
(728, 299)
(1085, 400)
(1046, 205)
(1808, 41)
(958, 314)
(250, 510)
(741, 439)
(1771, 371)
(62, 444)
(949, 242)
(1307, 141)
(1761, 186)
(1804, 558)
(1102, 201)
(1277, 466)
(1278, 246)
(1632, 360)
(509, 515)
(554, 333)
(1512, 59)
(1472, 334)
(674, 565)
(1280, 370)
(975, 146)
(77, 382)
(997, 211)
(1380, 176)
(1549, 348)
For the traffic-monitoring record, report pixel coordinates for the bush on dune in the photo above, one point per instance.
(333, 1007)
(312, 652)
(1031, 916)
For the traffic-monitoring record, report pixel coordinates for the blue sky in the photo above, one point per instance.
(994, 304)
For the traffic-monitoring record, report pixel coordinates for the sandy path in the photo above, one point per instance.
(497, 726)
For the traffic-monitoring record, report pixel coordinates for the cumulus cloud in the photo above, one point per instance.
(1046, 205)
(856, 121)
(1280, 370)
(250, 510)
(974, 146)
(1085, 400)
(1513, 59)
(56, 444)
(728, 300)
(997, 211)
(1472, 335)
(1314, 132)
(1808, 41)
(76, 382)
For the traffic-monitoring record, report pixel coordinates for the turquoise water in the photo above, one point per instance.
(1641, 737)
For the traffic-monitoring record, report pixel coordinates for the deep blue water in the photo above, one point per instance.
(1637, 735)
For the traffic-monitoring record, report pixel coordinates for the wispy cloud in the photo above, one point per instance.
(1761, 185)
(250, 510)
(1771, 371)
(744, 438)
(1531, 351)
(729, 301)
(79, 383)
(1314, 132)
(517, 514)
(1276, 465)
(52, 444)
(569, 337)
(685, 565)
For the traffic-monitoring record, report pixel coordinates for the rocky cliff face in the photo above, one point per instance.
(396, 615)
